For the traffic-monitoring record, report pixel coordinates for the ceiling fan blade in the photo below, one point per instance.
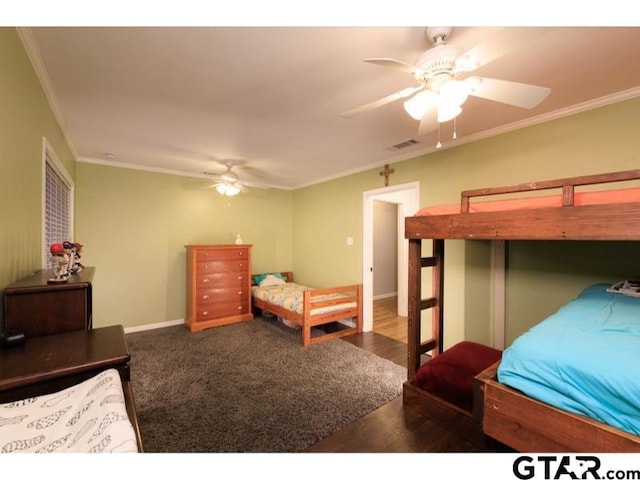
(407, 92)
(393, 63)
(505, 41)
(429, 120)
(512, 93)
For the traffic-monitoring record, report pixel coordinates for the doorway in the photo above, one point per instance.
(407, 199)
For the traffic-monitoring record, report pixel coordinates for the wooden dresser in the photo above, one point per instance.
(218, 285)
(35, 307)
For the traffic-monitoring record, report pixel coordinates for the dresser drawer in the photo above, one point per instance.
(241, 265)
(222, 279)
(207, 296)
(206, 255)
(217, 310)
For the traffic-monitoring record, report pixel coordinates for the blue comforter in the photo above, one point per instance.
(585, 358)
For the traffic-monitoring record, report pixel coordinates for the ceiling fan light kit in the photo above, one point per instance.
(227, 189)
(448, 99)
(441, 91)
(417, 104)
(229, 183)
(448, 112)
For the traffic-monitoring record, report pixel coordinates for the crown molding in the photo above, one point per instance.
(547, 117)
(132, 166)
(537, 120)
(168, 171)
(30, 45)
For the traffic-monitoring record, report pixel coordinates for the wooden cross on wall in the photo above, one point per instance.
(387, 173)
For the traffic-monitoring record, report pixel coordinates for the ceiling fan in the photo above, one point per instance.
(229, 183)
(442, 81)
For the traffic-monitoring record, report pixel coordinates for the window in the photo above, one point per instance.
(57, 202)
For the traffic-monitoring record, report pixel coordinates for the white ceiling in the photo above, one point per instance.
(269, 98)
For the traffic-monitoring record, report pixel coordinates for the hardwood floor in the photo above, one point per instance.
(392, 427)
(386, 320)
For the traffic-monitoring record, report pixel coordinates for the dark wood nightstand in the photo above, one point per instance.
(35, 307)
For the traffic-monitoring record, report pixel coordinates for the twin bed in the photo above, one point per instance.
(337, 311)
(568, 384)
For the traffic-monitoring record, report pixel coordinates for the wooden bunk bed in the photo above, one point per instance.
(497, 411)
(308, 308)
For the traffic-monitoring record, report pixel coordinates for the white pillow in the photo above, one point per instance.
(270, 280)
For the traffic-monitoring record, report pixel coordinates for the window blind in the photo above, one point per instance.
(57, 226)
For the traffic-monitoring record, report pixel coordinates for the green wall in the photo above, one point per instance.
(25, 118)
(597, 141)
(324, 215)
(544, 275)
(134, 225)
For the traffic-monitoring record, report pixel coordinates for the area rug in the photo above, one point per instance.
(251, 387)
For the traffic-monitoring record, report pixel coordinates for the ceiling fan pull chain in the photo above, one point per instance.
(455, 134)
(438, 145)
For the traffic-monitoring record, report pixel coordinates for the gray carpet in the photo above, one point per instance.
(251, 387)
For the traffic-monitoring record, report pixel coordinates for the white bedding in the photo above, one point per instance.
(88, 417)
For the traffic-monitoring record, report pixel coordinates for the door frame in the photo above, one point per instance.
(407, 197)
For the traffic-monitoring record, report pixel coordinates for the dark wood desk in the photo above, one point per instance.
(51, 363)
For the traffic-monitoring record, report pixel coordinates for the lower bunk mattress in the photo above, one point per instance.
(584, 359)
(90, 417)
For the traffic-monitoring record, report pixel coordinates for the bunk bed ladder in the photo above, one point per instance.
(415, 346)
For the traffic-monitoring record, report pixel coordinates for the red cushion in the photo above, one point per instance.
(450, 374)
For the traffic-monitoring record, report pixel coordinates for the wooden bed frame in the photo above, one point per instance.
(500, 412)
(312, 301)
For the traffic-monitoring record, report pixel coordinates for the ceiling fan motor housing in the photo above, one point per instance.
(439, 59)
(229, 176)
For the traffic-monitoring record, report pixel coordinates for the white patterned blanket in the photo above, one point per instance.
(290, 297)
(88, 417)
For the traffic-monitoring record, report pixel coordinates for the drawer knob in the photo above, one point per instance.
(206, 280)
(205, 313)
(240, 292)
(240, 307)
(206, 267)
(205, 297)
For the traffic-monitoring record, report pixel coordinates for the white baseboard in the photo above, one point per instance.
(153, 326)
(171, 323)
(385, 295)
(348, 322)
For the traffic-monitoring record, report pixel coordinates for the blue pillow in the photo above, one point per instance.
(261, 277)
